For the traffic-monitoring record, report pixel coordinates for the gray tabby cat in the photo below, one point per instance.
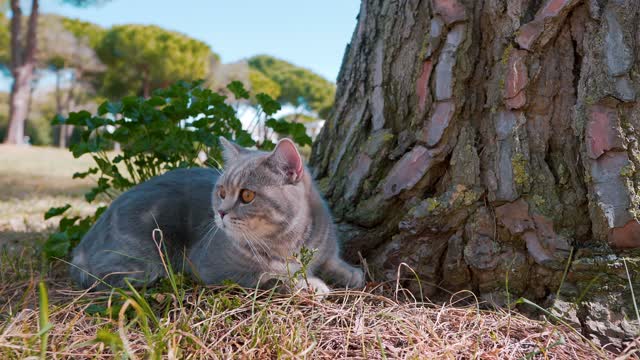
(243, 225)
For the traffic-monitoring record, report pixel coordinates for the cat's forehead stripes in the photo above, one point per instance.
(233, 176)
(239, 172)
(251, 171)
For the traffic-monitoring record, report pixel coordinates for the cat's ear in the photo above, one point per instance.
(230, 151)
(288, 159)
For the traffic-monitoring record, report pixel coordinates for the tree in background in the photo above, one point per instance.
(260, 83)
(89, 63)
(67, 50)
(23, 48)
(22, 65)
(140, 58)
(478, 142)
(89, 33)
(220, 75)
(298, 86)
(5, 40)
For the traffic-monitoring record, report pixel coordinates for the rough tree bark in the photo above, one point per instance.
(479, 141)
(22, 66)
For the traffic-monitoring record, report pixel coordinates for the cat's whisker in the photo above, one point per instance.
(249, 244)
(206, 229)
(262, 245)
(259, 242)
(209, 227)
(211, 237)
(253, 250)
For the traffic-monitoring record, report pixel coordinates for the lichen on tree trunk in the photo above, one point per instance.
(481, 140)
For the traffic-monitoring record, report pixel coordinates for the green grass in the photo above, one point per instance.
(41, 314)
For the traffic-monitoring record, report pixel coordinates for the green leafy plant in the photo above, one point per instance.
(303, 258)
(171, 129)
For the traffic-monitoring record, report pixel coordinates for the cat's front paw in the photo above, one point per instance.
(356, 278)
(344, 274)
(313, 284)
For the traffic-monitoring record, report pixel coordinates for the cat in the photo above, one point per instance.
(244, 225)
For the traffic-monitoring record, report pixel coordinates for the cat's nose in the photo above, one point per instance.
(222, 214)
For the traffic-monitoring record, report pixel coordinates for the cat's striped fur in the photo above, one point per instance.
(208, 230)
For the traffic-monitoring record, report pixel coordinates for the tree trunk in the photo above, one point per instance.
(22, 67)
(59, 130)
(146, 83)
(66, 130)
(480, 141)
(63, 132)
(18, 105)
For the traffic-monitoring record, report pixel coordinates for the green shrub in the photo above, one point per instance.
(165, 132)
(39, 131)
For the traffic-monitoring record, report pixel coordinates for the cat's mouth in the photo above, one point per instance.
(227, 224)
(220, 222)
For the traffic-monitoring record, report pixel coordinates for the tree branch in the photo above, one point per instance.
(31, 35)
(16, 21)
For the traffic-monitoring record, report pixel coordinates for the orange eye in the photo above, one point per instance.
(247, 196)
(222, 193)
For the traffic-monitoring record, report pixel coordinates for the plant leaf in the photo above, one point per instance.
(55, 211)
(238, 90)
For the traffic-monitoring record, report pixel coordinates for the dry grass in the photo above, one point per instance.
(229, 322)
(193, 322)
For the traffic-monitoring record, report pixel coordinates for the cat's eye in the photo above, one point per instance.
(247, 196)
(222, 193)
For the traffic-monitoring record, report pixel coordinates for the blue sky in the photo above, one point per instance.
(309, 33)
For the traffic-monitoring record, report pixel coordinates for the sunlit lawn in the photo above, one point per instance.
(33, 179)
(191, 321)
